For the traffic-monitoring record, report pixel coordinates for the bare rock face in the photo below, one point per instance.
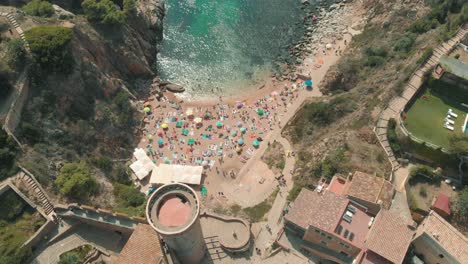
(109, 59)
(153, 11)
(112, 56)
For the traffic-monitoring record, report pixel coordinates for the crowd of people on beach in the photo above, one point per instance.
(179, 133)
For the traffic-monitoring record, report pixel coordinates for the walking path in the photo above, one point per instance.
(398, 103)
(12, 20)
(275, 216)
(36, 188)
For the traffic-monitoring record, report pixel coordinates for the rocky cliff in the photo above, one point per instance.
(117, 56)
(88, 112)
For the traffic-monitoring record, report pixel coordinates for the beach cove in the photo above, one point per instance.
(229, 134)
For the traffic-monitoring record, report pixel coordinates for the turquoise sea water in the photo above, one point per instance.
(220, 46)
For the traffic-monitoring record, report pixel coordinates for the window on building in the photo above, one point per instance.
(323, 242)
(344, 253)
(322, 234)
(339, 229)
(329, 237)
(346, 233)
(441, 256)
(342, 244)
(351, 237)
(317, 231)
(346, 246)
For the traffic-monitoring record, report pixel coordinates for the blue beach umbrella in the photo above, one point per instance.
(242, 130)
(219, 124)
(308, 83)
(240, 142)
(160, 141)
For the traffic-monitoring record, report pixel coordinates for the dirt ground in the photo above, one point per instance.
(424, 193)
(274, 157)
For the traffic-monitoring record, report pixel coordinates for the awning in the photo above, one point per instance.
(170, 173)
(143, 164)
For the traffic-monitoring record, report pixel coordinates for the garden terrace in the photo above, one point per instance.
(425, 117)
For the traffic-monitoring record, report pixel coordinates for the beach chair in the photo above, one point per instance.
(450, 112)
(449, 121)
(449, 127)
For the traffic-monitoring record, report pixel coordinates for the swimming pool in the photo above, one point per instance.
(465, 125)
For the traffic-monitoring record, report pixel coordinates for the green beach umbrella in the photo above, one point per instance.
(146, 109)
(219, 124)
(179, 124)
(191, 141)
(240, 141)
(160, 141)
(260, 111)
(243, 130)
(256, 143)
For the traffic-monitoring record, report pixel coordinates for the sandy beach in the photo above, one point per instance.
(228, 135)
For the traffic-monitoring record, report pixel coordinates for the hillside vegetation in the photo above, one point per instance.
(85, 74)
(337, 133)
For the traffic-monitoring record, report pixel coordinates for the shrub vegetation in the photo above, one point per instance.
(75, 181)
(39, 8)
(129, 200)
(49, 47)
(8, 153)
(107, 11)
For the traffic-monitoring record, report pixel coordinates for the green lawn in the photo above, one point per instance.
(425, 118)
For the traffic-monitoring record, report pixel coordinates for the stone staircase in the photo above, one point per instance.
(32, 183)
(398, 103)
(12, 20)
(214, 249)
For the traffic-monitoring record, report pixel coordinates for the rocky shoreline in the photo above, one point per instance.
(323, 26)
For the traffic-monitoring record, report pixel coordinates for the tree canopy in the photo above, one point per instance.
(49, 47)
(107, 11)
(39, 8)
(75, 181)
(458, 144)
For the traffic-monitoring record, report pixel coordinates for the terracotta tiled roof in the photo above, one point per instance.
(142, 247)
(442, 202)
(447, 236)
(390, 236)
(370, 188)
(321, 210)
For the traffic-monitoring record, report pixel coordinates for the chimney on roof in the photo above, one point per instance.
(350, 176)
(436, 236)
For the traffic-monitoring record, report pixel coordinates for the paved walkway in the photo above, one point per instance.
(108, 242)
(275, 215)
(398, 103)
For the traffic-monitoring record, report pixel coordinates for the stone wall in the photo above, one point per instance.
(40, 234)
(13, 116)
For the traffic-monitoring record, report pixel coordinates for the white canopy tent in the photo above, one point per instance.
(143, 164)
(168, 173)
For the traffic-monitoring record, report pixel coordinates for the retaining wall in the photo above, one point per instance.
(45, 229)
(13, 116)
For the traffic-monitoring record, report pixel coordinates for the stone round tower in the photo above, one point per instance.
(173, 211)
